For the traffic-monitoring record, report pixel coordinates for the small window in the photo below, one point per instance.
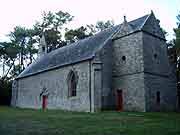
(43, 48)
(158, 97)
(72, 83)
(123, 58)
(155, 55)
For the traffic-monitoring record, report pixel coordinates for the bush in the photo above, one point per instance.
(5, 92)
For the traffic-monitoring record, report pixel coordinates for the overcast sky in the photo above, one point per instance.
(26, 12)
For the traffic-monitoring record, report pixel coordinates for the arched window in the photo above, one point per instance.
(72, 81)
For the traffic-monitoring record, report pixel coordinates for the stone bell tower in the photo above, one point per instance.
(42, 47)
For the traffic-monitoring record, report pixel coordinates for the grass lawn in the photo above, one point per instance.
(14, 121)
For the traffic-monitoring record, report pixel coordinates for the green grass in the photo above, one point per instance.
(14, 121)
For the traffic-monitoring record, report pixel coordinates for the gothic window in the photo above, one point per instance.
(155, 57)
(158, 97)
(72, 81)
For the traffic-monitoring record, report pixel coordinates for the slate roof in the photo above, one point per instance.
(82, 50)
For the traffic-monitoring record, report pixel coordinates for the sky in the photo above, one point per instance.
(26, 12)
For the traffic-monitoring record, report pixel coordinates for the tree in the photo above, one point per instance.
(23, 40)
(177, 46)
(82, 32)
(8, 56)
(8, 53)
(177, 40)
(52, 25)
(100, 26)
(76, 34)
(177, 34)
(5, 92)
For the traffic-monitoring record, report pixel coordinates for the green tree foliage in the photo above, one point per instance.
(82, 32)
(5, 92)
(178, 18)
(76, 34)
(52, 25)
(164, 32)
(100, 26)
(177, 40)
(175, 45)
(23, 40)
(177, 34)
(8, 56)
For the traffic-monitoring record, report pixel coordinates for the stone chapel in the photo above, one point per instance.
(123, 68)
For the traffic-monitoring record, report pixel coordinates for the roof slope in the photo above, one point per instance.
(76, 52)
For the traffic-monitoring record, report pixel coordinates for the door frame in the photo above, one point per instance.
(44, 101)
(120, 100)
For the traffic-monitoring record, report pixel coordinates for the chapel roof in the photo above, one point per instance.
(79, 51)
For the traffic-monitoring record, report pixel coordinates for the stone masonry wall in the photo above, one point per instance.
(167, 89)
(159, 75)
(55, 82)
(130, 47)
(106, 59)
(155, 55)
(128, 73)
(132, 87)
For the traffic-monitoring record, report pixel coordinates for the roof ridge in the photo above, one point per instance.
(86, 38)
(110, 37)
(76, 52)
(148, 15)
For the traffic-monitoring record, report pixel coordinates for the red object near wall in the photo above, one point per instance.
(44, 102)
(120, 100)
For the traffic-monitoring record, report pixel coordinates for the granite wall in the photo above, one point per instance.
(128, 73)
(55, 82)
(159, 76)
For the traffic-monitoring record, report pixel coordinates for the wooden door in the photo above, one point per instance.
(120, 100)
(44, 102)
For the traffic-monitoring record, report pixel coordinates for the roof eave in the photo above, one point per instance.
(53, 68)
